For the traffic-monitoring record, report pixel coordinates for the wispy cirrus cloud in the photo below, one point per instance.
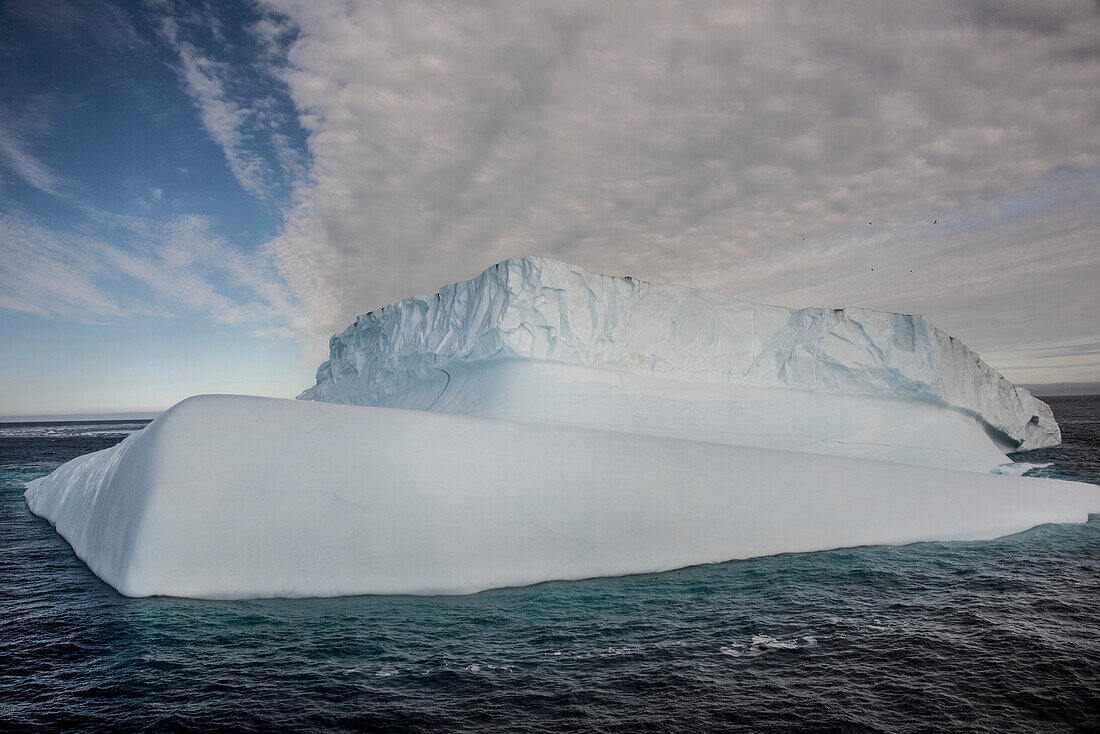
(227, 123)
(236, 104)
(46, 273)
(16, 156)
(182, 266)
(106, 23)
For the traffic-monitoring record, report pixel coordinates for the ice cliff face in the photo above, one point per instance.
(547, 311)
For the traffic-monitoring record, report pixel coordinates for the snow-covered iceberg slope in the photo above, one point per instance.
(540, 422)
(233, 497)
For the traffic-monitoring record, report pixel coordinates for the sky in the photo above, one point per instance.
(195, 196)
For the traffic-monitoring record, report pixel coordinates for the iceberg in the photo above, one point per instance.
(539, 423)
(475, 348)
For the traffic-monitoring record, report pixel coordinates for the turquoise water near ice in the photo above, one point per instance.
(992, 636)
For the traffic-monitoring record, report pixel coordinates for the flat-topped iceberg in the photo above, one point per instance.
(540, 422)
(538, 310)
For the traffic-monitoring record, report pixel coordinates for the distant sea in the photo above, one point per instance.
(997, 636)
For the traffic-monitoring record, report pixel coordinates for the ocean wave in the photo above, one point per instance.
(762, 644)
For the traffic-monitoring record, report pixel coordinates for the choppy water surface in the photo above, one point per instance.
(992, 636)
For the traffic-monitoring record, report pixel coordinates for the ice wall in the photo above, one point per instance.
(540, 309)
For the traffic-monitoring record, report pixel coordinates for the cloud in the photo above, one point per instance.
(45, 273)
(108, 24)
(180, 265)
(235, 87)
(995, 277)
(742, 148)
(1088, 347)
(226, 122)
(14, 155)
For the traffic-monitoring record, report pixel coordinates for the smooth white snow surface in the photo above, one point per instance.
(910, 432)
(236, 497)
(540, 422)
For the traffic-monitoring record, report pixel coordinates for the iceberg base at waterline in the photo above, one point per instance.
(242, 497)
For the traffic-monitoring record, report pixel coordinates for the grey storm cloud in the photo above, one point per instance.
(939, 157)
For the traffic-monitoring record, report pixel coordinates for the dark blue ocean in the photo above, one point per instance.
(993, 636)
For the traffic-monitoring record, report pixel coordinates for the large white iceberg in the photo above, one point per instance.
(513, 333)
(540, 422)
